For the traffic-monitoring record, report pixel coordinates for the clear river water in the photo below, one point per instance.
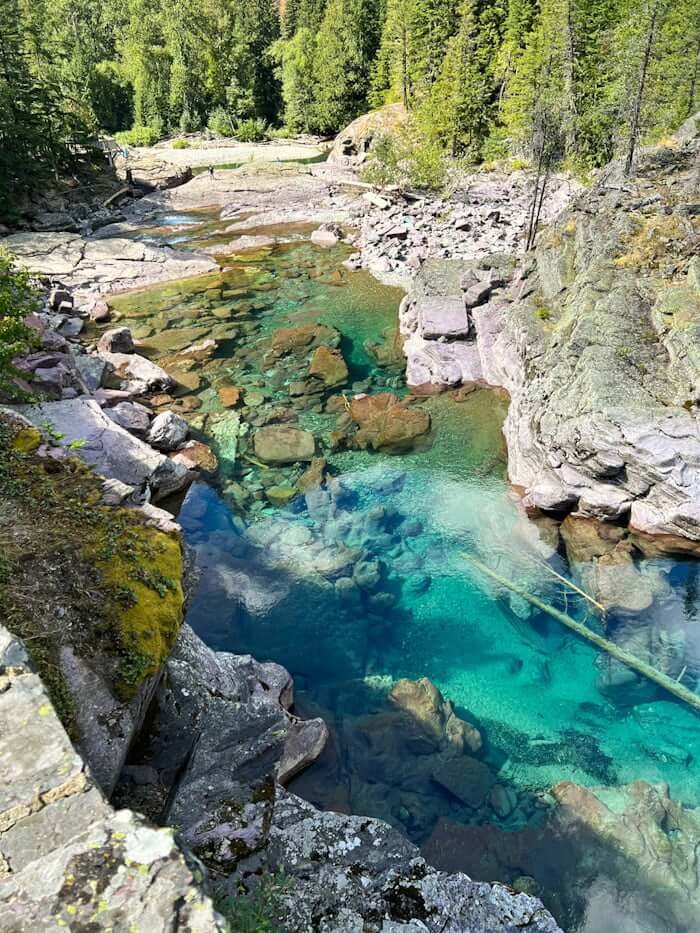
(269, 586)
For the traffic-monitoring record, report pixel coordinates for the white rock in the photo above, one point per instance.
(168, 431)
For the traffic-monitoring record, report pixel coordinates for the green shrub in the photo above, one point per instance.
(258, 912)
(189, 122)
(18, 298)
(382, 167)
(139, 136)
(181, 144)
(220, 122)
(253, 130)
(427, 168)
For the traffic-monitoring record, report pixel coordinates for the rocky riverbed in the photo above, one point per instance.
(161, 388)
(101, 404)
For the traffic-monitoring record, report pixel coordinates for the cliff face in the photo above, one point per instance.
(595, 338)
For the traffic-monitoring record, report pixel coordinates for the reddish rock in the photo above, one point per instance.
(289, 339)
(229, 396)
(328, 365)
(385, 423)
(196, 456)
(314, 476)
(422, 700)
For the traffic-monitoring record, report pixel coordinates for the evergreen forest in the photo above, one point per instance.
(566, 81)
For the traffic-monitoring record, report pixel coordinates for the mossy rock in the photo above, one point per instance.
(27, 440)
(145, 573)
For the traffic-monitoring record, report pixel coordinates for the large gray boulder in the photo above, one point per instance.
(140, 373)
(104, 444)
(352, 145)
(358, 874)
(168, 431)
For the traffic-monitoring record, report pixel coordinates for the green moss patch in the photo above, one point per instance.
(76, 574)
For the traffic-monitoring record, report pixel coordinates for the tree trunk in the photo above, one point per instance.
(569, 82)
(641, 85)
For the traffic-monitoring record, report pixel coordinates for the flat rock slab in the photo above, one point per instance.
(37, 761)
(120, 874)
(443, 318)
(114, 452)
(283, 444)
(447, 364)
(67, 860)
(103, 265)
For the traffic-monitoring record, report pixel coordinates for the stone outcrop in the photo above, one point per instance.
(353, 144)
(221, 741)
(67, 859)
(594, 339)
(103, 265)
(114, 452)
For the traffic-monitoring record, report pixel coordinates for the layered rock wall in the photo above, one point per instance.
(594, 337)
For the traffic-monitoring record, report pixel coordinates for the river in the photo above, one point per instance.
(545, 701)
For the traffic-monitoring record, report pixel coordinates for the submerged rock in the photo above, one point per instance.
(422, 700)
(328, 365)
(283, 444)
(467, 778)
(196, 456)
(384, 423)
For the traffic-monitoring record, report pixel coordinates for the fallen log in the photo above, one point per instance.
(118, 194)
(635, 664)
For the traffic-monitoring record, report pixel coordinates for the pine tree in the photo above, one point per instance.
(637, 39)
(458, 107)
(295, 58)
(434, 23)
(37, 124)
(346, 46)
(392, 73)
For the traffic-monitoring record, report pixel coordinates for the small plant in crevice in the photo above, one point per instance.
(259, 911)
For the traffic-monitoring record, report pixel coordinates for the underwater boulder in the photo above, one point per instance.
(385, 423)
(468, 779)
(423, 701)
(328, 365)
(279, 444)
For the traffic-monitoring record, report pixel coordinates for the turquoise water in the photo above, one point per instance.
(269, 586)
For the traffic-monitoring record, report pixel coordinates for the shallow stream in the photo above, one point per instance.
(270, 579)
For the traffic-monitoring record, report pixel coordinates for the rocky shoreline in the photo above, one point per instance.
(369, 874)
(593, 338)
